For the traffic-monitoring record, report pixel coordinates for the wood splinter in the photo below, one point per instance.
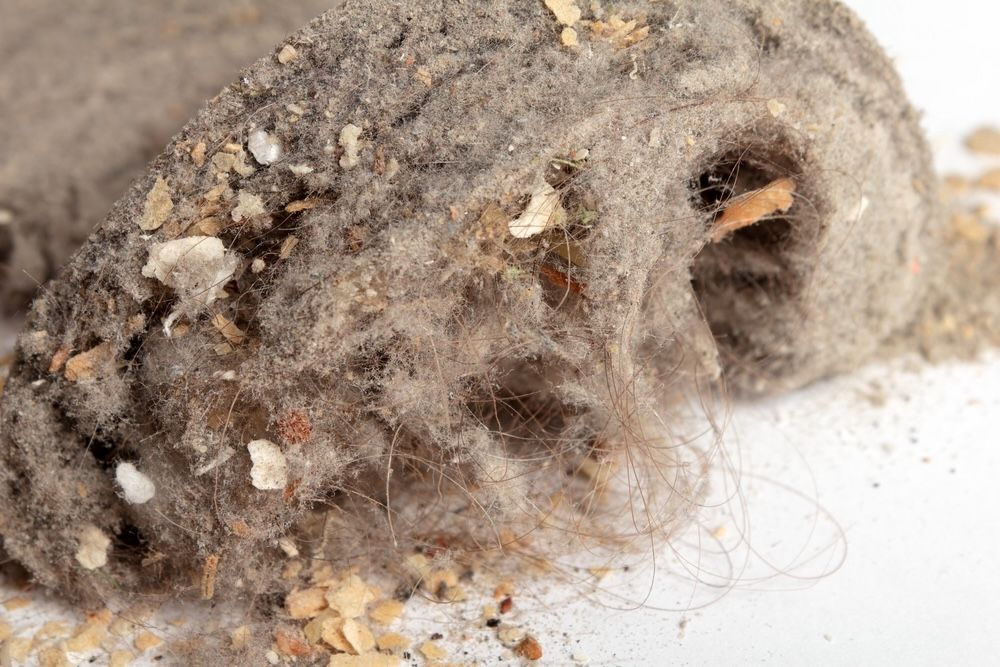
(752, 207)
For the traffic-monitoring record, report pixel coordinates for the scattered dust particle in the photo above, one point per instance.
(265, 148)
(93, 364)
(257, 266)
(296, 109)
(272, 658)
(93, 550)
(287, 246)
(565, 11)
(291, 644)
(386, 612)
(158, 206)
(121, 659)
(985, 140)
(269, 471)
(775, 107)
(989, 180)
(423, 75)
(53, 657)
(537, 215)
(306, 603)
(529, 648)
(239, 638)
(656, 137)
(300, 169)
(750, 208)
(232, 147)
(393, 642)
(432, 651)
(349, 142)
(358, 635)
(225, 326)
(350, 597)
(91, 633)
(569, 37)
(600, 573)
(146, 640)
(208, 574)
(223, 349)
(248, 205)
(14, 604)
(369, 660)
(137, 487)
(287, 54)
(198, 154)
(301, 205)
(59, 358)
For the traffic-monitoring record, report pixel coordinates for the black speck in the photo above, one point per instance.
(436, 636)
(493, 622)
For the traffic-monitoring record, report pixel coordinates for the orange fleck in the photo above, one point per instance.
(752, 207)
(560, 279)
(294, 427)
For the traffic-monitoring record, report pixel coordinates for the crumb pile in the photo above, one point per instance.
(441, 270)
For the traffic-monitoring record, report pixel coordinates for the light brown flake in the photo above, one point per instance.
(52, 630)
(985, 140)
(121, 658)
(358, 636)
(386, 612)
(146, 640)
(53, 656)
(970, 227)
(240, 637)
(369, 660)
(59, 358)
(93, 364)
(157, 207)
(198, 154)
(5, 631)
(392, 642)
(225, 326)
(291, 643)
(565, 11)
(432, 651)
(16, 650)
(208, 573)
(287, 54)
(752, 207)
(423, 75)
(331, 632)
(306, 603)
(90, 634)
(287, 247)
(301, 205)
(989, 180)
(350, 597)
(14, 604)
(569, 37)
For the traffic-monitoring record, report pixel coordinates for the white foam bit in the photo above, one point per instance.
(137, 487)
(269, 471)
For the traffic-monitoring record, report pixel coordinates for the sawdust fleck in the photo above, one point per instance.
(93, 364)
(14, 604)
(565, 11)
(305, 603)
(432, 651)
(386, 612)
(146, 640)
(240, 637)
(198, 154)
(121, 658)
(350, 597)
(538, 215)
(358, 635)
(157, 207)
(229, 330)
(423, 75)
(393, 642)
(369, 660)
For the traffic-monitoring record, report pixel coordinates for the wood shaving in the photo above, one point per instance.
(59, 358)
(537, 215)
(240, 637)
(331, 627)
(985, 140)
(291, 643)
(93, 548)
(989, 180)
(301, 205)
(53, 657)
(158, 206)
(91, 634)
(752, 207)
(386, 612)
(423, 75)
(225, 326)
(306, 603)
(565, 11)
(287, 247)
(5, 631)
(95, 363)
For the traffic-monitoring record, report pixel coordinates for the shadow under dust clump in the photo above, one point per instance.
(444, 243)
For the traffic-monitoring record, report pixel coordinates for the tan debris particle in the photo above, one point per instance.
(158, 206)
(209, 226)
(432, 651)
(358, 635)
(349, 142)
(198, 154)
(301, 205)
(52, 630)
(301, 169)
(306, 603)
(225, 326)
(330, 629)
(93, 547)
(95, 363)
(423, 75)
(14, 604)
(269, 471)
(529, 648)
(90, 634)
(752, 207)
(985, 140)
(989, 180)
(632, 38)
(5, 631)
(287, 246)
(350, 597)
(257, 266)
(538, 215)
(240, 637)
(53, 657)
(392, 642)
(208, 573)
(970, 227)
(291, 643)
(15, 651)
(121, 658)
(510, 636)
(386, 612)
(287, 545)
(287, 54)
(369, 660)
(59, 358)
(569, 37)
(223, 162)
(565, 11)
(775, 107)
(146, 640)
(247, 206)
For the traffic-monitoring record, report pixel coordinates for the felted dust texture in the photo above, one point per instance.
(90, 92)
(396, 289)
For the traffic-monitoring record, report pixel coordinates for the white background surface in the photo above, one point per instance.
(874, 528)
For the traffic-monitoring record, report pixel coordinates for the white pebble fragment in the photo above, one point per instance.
(137, 487)
(93, 550)
(535, 219)
(265, 148)
(349, 142)
(269, 471)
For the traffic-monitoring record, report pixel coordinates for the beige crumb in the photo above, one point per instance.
(752, 207)
(565, 11)
(432, 651)
(157, 207)
(93, 364)
(53, 657)
(146, 640)
(985, 140)
(358, 635)
(93, 547)
(247, 206)
(208, 574)
(121, 658)
(287, 247)
(291, 644)
(423, 75)
(287, 54)
(225, 326)
(198, 154)
(59, 358)
(5, 631)
(775, 107)
(240, 637)
(510, 636)
(989, 180)
(369, 660)
(538, 215)
(386, 612)
(392, 642)
(52, 630)
(301, 205)
(569, 37)
(15, 650)
(90, 634)
(350, 597)
(14, 604)
(970, 227)
(306, 603)
(349, 141)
